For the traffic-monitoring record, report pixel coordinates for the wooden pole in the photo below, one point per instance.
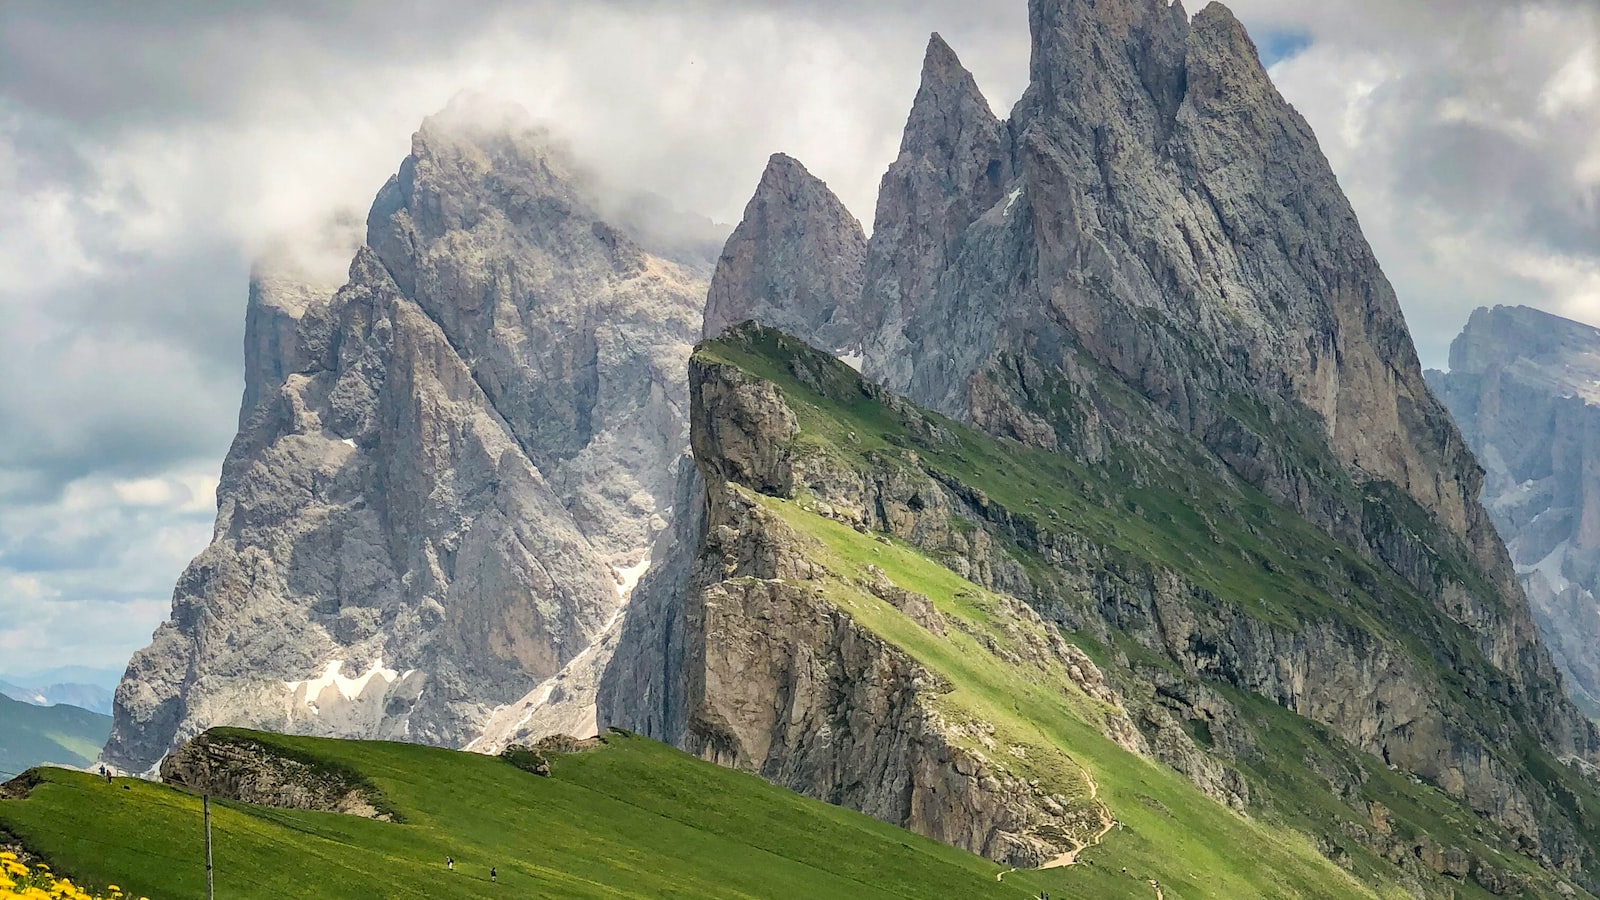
(205, 805)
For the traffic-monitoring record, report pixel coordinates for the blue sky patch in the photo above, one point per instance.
(1279, 45)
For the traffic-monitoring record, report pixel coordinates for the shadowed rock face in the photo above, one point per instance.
(440, 466)
(1525, 388)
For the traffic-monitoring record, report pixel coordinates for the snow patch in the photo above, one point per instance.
(627, 580)
(854, 359)
(1011, 201)
(506, 723)
(1550, 567)
(311, 692)
(348, 442)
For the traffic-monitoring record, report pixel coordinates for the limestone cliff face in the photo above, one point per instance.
(442, 467)
(1522, 386)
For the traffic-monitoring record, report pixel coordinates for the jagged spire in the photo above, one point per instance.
(948, 100)
(794, 263)
(955, 163)
(1222, 64)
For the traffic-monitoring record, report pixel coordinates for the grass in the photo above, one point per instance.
(634, 819)
(1144, 509)
(1170, 832)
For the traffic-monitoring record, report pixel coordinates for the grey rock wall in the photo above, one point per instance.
(443, 468)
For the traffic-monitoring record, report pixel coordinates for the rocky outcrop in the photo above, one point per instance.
(234, 767)
(786, 686)
(535, 758)
(446, 471)
(794, 262)
(1522, 386)
(771, 677)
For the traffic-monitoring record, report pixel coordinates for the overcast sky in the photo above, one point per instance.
(148, 151)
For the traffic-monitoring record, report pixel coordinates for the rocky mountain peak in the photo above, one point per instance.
(955, 162)
(1090, 56)
(493, 132)
(443, 470)
(794, 261)
(939, 61)
(1524, 386)
(1222, 65)
(485, 168)
(1508, 334)
(948, 102)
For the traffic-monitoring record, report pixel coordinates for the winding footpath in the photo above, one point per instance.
(1070, 858)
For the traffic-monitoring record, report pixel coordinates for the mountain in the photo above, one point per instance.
(445, 468)
(902, 614)
(1522, 386)
(1124, 529)
(1204, 451)
(102, 678)
(63, 735)
(629, 818)
(92, 697)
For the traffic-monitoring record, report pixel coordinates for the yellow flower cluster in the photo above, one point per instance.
(19, 882)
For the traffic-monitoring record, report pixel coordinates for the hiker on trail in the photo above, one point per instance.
(493, 875)
(105, 773)
(450, 863)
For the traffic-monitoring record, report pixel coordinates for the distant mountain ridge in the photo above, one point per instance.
(92, 697)
(1524, 386)
(81, 686)
(105, 678)
(62, 735)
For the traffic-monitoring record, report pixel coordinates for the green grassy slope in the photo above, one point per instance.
(35, 735)
(1169, 831)
(634, 819)
(1165, 509)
